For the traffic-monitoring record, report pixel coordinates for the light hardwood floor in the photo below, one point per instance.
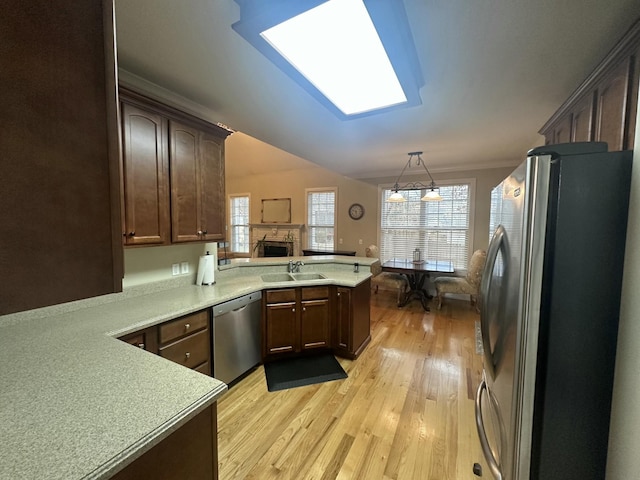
(405, 412)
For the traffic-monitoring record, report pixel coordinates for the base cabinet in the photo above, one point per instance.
(298, 320)
(295, 320)
(352, 320)
(185, 340)
(191, 452)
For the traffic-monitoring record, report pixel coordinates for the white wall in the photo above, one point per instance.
(624, 438)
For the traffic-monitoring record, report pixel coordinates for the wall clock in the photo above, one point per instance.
(356, 211)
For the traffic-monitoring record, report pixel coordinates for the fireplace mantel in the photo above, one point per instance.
(276, 232)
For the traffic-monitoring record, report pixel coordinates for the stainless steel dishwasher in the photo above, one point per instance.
(236, 336)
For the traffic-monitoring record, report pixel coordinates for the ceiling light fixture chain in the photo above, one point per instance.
(432, 194)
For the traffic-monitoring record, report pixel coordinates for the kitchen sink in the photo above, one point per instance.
(307, 276)
(276, 277)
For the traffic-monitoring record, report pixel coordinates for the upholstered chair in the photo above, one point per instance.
(385, 280)
(469, 285)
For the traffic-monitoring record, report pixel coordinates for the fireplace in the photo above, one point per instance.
(275, 249)
(276, 239)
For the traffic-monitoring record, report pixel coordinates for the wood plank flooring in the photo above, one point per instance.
(405, 412)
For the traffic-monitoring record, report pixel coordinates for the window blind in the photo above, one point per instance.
(239, 223)
(321, 213)
(439, 229)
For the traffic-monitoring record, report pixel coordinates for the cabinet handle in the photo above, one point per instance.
(304, 309)
(132, 234)
(187, 326)
(140, 345)
(187, 355)
(204, 232)
(199, 232)
(338, 293)
(293, 309)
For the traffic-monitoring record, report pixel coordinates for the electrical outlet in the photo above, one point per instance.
(184, 267)
(360, 241)
(340, 241)
(175, 269)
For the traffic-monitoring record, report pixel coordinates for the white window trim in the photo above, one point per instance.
(472, 210)
(229, 230)
(307, 191)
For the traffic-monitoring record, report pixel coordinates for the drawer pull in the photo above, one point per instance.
(187, 355)
(140, 345)
(187, 326)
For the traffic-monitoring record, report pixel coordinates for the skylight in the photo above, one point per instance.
(336, 47)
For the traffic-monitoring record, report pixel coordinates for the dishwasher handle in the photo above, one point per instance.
(237, 304)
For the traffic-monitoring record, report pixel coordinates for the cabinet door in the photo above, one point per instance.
(581, 128)
(314, 324)
(611, 112)
(145, 175)
(281, 329)
(211, 172)
(185, 184)
(343, 319)
(562, 131)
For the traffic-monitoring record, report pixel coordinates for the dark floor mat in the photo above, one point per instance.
(300, 371)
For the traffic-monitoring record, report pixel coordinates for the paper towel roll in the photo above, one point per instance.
(206, 270)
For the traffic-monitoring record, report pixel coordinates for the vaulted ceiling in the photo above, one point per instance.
(494, 70)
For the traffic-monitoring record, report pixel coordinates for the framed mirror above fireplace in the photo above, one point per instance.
(276, 210)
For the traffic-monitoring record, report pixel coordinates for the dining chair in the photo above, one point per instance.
(385, 280)
(468, 285)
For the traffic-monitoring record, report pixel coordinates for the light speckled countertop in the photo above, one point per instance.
(77, 403)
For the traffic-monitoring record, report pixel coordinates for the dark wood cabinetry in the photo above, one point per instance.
(145, 176)
(146, 339)
(295, 320)
(59, 154)
(185, 340)
(314, 318)
(281, 330)
(301, 319)
(191, 452)
(197, 185)
(603, 108)
(173, 180)
(352, 322)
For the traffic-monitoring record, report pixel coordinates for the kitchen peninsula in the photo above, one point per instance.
(79, 403)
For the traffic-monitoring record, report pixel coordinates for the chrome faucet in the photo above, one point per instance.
(294, 267)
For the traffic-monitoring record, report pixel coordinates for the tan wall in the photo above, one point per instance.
(278, 174)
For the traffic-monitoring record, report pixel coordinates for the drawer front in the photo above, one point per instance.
(191, 351)
(315, 293)
(184, 326)
(136, 339)
(283, 295)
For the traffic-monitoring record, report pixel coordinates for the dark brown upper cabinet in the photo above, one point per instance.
(60, 168)
(603, 107)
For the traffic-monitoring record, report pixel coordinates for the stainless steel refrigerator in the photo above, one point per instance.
(550, 300)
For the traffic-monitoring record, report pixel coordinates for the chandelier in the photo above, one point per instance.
(432, 195)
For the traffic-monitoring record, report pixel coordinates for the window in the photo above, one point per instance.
(239, 223)
(441, 230)
(321, 215)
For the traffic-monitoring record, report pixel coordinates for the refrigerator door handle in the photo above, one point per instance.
(482, 434)
(498, 242)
